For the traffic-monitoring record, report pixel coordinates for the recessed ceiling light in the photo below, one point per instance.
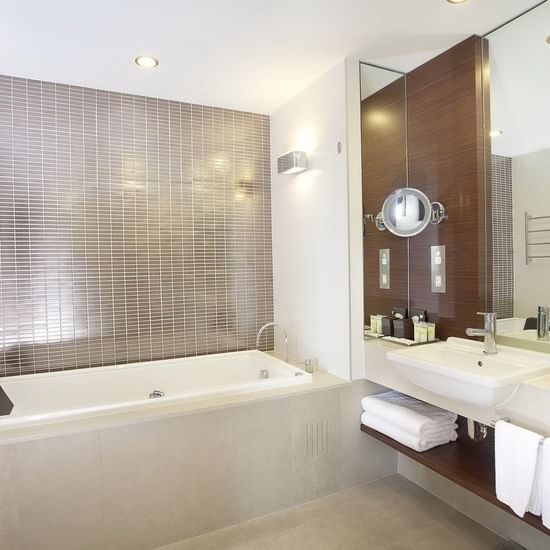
(457, 1)
(146, 61)
(495, 133)
(548, 39)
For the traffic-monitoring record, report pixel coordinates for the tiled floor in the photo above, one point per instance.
(392, 513)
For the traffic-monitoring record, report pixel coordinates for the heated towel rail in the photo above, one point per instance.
(537, 237)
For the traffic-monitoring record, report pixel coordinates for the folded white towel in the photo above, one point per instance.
(415, 416)
(516, 454)
(433, 431)
(415, 442)
(545, 483)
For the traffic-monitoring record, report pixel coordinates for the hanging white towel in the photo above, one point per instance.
(545, 483)
(406, 438)
(535, 500)
(414, 416)
(516, 454)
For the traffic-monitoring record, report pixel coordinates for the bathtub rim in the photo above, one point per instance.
(136, 364)
(321, 380)
(288, 370)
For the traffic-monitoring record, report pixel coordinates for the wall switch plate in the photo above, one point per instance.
(438, 270)
(384, 267)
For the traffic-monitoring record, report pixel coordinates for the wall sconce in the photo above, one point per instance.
(292, 162)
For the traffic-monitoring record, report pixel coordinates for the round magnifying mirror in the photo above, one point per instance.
(406, 212)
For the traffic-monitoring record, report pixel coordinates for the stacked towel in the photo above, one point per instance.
(413, 423)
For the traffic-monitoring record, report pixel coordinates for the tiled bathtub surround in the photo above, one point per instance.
(131, 228)
(503, 239)
(145, 485)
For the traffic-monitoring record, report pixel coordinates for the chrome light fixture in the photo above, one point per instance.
(292, 162)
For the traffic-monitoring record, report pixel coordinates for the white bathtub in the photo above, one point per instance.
(39, 398)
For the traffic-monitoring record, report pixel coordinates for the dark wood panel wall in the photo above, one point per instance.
(447, 137)
(446, 131)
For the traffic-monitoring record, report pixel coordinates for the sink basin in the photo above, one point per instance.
(458, 369)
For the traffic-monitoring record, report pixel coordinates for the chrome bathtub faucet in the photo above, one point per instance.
(489, 332)
(272, 324)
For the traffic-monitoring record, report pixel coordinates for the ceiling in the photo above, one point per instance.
(520, 84)
(252, 55)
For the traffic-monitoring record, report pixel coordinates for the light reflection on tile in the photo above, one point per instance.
(131, 228)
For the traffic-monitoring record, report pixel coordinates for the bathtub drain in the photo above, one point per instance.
(155, 394)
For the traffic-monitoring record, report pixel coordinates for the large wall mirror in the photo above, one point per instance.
(420, 152)
(384, 167)
(519, 84)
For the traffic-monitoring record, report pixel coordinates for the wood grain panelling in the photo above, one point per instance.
(384, 166)
(447, 161)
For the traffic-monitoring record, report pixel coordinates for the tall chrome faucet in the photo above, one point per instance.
(489, 332)
(542, 322)
(272, 324)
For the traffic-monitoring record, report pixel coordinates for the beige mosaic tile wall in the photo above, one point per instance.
(131, 228)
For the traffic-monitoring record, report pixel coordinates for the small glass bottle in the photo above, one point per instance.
(309, 365)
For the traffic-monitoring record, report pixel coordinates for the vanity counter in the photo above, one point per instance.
(541, 382)
(529, 407)
(468, 464)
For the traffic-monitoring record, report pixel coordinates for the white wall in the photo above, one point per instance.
(531, 193)
(355, 216)
(310, 225)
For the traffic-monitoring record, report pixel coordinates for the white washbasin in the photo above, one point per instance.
(458, 369)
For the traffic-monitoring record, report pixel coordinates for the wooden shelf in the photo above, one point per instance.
(470, 465)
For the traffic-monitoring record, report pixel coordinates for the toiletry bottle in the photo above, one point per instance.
(431, 332)
(381, 322)
(309, 365)
(373, 324)
(387, 326)
(416, 322)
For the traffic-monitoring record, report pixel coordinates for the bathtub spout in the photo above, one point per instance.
(272, 324)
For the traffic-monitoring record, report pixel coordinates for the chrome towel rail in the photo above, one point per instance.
(529, 230)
